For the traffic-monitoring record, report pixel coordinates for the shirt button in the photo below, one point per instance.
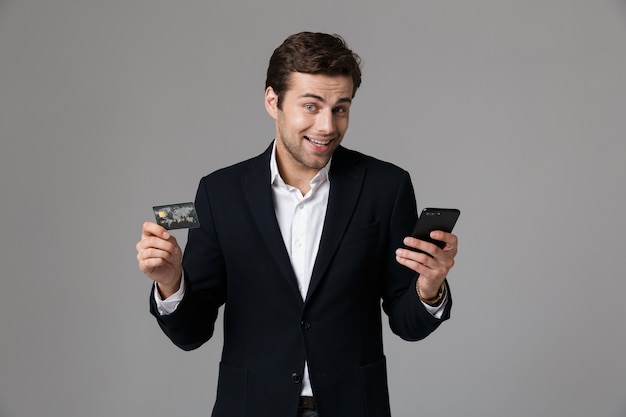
(296, 378)
(298, 243)
(300, 206)
(305, 324)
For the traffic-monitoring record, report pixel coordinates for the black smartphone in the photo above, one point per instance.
(435, 219)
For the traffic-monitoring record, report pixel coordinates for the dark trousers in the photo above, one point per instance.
(307, 413)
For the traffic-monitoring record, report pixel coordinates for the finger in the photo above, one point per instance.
(422, 245)
(152, 259)
(451, 240)
(430, 267)
(414, 259)
(421, 269)
(426, 272)
(154, 234)
(150, 265)
(153, 253)
(150, 241)
(153, 229)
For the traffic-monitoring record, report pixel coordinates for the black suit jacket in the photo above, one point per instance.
(237, 258)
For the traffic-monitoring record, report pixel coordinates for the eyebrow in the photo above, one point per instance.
(319, 98)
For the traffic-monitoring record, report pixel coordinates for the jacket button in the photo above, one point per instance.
(296, 378)
(305, 324)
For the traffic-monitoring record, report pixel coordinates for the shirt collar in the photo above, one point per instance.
(275, 178)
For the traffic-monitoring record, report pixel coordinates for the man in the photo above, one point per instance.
(301, 244)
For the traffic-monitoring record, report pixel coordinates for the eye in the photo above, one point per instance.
(340, 110)
(310, 107)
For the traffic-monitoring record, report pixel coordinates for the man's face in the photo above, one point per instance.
(311, 122)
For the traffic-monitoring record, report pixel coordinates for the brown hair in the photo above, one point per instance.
(312, 53)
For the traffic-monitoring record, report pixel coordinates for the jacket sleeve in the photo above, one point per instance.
(193, 322)
(408, 318)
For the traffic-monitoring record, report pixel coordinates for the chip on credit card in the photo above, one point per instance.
(176, 216)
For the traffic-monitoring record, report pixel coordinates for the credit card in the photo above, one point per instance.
(176, 216)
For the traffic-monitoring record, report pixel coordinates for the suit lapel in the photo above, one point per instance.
(258, 194)
(346, 180)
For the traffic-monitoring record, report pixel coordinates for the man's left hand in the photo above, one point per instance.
(434, 265)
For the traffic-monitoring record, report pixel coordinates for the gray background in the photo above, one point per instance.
(512, 111)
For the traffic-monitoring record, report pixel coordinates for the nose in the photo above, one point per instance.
(325, 122)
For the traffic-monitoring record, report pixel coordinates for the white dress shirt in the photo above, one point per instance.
(301, 219)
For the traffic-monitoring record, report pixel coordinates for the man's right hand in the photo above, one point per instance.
(160, 258)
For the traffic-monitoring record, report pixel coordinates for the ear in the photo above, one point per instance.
(271, 102)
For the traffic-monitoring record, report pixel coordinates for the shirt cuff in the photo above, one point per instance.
(437, 311)
(170, 304)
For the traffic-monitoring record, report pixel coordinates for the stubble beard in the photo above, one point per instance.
(299, 155)
(295, 149)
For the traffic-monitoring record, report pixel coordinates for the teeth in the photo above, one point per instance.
(318, 142)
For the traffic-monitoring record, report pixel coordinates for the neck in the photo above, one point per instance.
(293, 174)
(301, 181)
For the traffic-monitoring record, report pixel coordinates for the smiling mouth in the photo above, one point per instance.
(318, 142)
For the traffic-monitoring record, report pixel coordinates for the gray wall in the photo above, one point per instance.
(512, 111)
